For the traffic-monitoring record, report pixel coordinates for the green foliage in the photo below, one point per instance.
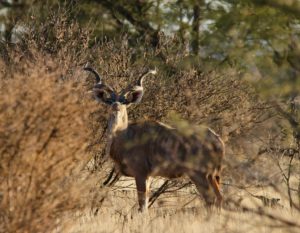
(253, 36)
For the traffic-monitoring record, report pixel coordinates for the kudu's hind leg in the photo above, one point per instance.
(112, 178)
(142, 192)
(203, 186)
(215, 183)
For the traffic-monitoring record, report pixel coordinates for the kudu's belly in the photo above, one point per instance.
(134, 166)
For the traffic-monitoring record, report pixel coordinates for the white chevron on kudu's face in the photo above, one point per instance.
(151, 148)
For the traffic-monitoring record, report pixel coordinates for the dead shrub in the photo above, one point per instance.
(44, 136)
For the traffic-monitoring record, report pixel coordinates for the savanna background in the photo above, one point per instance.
(231, 65)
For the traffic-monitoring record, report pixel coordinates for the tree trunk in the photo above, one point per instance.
(195, 29)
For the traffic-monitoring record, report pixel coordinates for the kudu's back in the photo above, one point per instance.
(152, 149)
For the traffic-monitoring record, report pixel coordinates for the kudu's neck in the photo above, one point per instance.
(118, 121)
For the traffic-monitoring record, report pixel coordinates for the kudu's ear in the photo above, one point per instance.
(102, 92)
(134, 94)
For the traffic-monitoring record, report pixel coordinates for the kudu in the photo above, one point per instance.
(150, 148)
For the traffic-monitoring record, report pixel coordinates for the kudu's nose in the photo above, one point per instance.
(116, 106)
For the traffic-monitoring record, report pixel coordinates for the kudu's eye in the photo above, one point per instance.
(122, 99)
(112, 98)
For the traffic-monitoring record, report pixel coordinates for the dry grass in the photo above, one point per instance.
(172, 214)
(178, 221)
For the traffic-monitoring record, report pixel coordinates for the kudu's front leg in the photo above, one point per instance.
(142, 192)
(215, 183)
